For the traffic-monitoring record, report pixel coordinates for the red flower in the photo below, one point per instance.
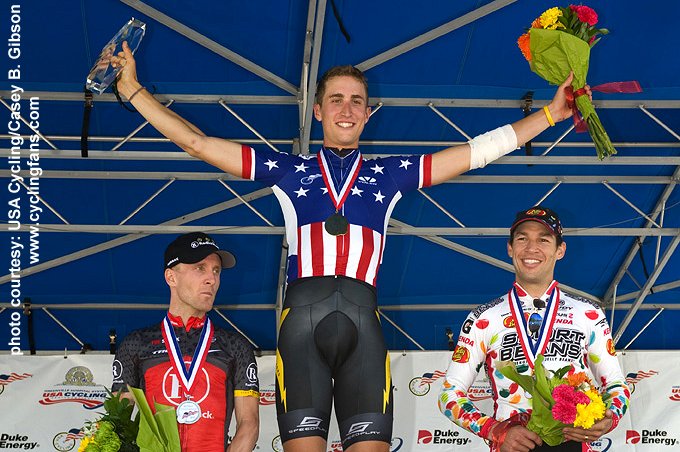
(585, 14)
(564, 412)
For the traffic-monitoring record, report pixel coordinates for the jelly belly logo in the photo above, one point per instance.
(460, 354)
(78, 387)
(441, 437)
(509, 322)
(658, 437)
(675, 394)
(268, 396)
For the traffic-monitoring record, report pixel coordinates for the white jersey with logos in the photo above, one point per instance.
(573, 330)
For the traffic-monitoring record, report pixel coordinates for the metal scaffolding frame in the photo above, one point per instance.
(303, 97)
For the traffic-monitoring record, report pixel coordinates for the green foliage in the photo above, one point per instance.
(119, 413)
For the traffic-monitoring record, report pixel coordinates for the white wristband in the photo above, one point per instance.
(491, 145)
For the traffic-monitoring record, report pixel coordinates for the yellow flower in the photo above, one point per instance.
(83, 443)
(587, 415)
(549, 18)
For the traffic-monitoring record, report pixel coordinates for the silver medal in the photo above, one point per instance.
(188, 412)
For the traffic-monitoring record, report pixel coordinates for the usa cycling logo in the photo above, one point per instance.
(368, 180)
(675, 394)
(659, 437)
(78, 387)
(442, 437)
(268, 396)
(480, 391)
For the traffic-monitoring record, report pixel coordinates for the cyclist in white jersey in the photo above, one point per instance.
(534, 317)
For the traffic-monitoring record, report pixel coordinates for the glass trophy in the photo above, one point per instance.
(102, 73)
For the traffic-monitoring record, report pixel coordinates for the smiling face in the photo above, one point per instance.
(534, 252)
(193, 286)
(343, 112)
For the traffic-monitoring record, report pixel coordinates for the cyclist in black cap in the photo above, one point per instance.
(205, 372)
(534, 317)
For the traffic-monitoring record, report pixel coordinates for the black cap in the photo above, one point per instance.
(194, 247)
(543, 215)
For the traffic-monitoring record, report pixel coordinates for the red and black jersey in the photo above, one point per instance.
(229, 371)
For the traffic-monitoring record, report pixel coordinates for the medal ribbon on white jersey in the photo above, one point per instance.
(530, 347)
(339, 197)
(187, 376)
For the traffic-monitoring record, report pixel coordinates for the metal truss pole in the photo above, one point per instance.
(645, 289)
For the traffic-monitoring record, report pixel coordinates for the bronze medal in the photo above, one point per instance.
(336, 224)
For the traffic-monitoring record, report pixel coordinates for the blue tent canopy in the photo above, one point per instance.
(105, 220)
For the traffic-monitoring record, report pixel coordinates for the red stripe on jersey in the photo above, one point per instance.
(299, 252)
(427, 170)
(366, 253)
(342, 247)
(382, 243)
(246, 162)
(316, 237)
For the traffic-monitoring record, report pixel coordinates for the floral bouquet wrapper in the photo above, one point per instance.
(158, 431)
(559, 42)
(562, 399)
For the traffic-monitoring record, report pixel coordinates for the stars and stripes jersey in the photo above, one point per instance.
(371, 188)
(574, 331)
(229, 371)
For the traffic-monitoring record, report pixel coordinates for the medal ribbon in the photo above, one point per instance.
(188, 376)
(530, 347)
(339, 198)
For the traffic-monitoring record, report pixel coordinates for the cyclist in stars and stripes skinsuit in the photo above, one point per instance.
(336, 207)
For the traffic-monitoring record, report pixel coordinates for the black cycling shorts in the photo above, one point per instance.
(331, 348)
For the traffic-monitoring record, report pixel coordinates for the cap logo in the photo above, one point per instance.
(537, 212)
(201, 241)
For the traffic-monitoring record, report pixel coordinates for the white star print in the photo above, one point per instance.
(357, 191)
(271, 164)
(301, 192)
(379, 197)
(377, 169)
(405, 163)
(324, 190)
(301, 167)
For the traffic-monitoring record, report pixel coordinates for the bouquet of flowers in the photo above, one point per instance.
(114, 431)
(566, 398)
(558, 43)
(158, 431)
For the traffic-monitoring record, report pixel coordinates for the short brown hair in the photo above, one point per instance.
(339, 71)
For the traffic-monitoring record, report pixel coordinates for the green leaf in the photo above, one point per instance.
(542, 385)
(556, 53)
(508, 369)
(157, 433)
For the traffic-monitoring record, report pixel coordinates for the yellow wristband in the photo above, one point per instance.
(547, 115)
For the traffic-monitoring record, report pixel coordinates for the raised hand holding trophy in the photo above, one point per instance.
(102, 73)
